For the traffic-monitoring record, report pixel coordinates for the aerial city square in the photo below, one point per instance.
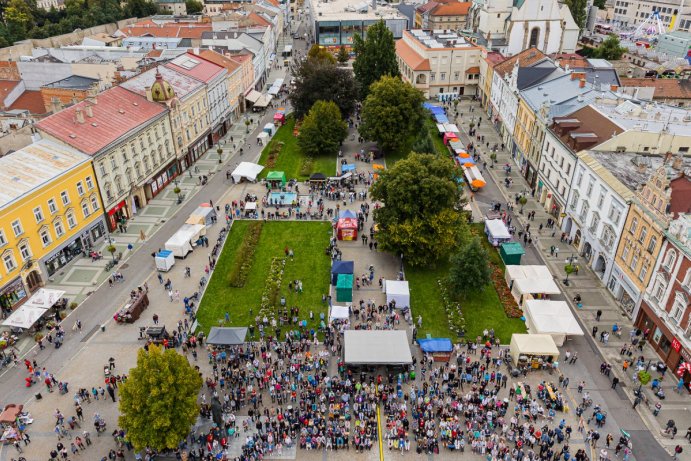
(344, 229)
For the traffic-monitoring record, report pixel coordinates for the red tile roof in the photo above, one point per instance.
(452, 9)
(524, 58)
(31, 101)
(493, 58)
(665, 88)
(219, 59)
(196, 67)
(116, 113)
(6, 86)
(192, 31)
(411, 57)
(426, 7)
(473, 70)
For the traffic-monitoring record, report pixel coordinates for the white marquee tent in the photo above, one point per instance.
(339, 312)
(399, 291)
(181, 242)
(515, 272)
(246, 170)
(533, 346)
(526, 289)
(376, 347)
(551, 318)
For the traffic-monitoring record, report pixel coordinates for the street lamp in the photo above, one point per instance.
(569, 267)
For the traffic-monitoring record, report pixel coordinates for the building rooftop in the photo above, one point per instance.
(665, 88)
(630, 169)
(34, 166)
(231, 64)
(651, 117)
(525, 58)
(196, 67)
(183, 86)
(411, 57)
(32, 101)
(352, 10)
(117, 113)
(440, 39)
(584, 129)
(183, 30)
(451, 9)
(73, 82)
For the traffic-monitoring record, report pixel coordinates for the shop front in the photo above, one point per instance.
(118, 215)
(12, 294)
(156, 184)
(530, 175)
(220, 130)
(197, 149)
(62, 256)
(624, 291)
(668, 346)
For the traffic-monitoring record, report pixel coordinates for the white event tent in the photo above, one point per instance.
(246, 170)
(398, 291)
(552, 318)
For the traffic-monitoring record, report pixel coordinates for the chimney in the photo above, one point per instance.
(56, 105)
(80, 115)
(641, 167)
(581, 84)
(668, 157)
(678, 163)
(575, 75)
(149, 94)
(614, 88)
(89, 111)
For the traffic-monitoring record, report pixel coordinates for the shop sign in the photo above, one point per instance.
(113, 210)
(686, 355)
(676, 345)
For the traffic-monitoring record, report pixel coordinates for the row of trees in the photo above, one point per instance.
(22, 19)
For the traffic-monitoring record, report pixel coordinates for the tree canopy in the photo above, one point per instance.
(391, 113)
(469, 269)
(323, 130)
(418, 218)
(579, 11)
(342, 56)
(194, 6)
(317, 80)
(375, 56)
(158, 402)
(318, 53)
(610, 49)
(23, 19)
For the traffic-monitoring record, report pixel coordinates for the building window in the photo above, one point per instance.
(10, 263)
(52, 207)
(601, 199)
(71, 221)
(595, 222)
(591, 184)
(17, 228)
(659, 289)
(644, 234)
(574, 200)
(59, 229)
(89, 183)
(687, 281)
(94, 203)
(678, 308)
(634, 225)
(534, 36)
(614, 214)
(80, 188)
(670, 259)
(45, 237)
(3, 240)
(65, 197)
(25, 251)
(38, 214)
(652, 244)
(85, 209)
(643, 273)
(634, 263)
(625, 252)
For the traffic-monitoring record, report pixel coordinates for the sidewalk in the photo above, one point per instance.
(593, 292)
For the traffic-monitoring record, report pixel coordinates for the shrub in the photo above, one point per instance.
(244, 258)
(644, 377)
(73, 305)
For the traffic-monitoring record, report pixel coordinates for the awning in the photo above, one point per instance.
(377, 347)
(435, 345)
(227, 336)
(24, 317)
(263, 101)
(45, 298)
(253, 96)
(497, 229)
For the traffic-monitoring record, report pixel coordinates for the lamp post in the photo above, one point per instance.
(569, 267)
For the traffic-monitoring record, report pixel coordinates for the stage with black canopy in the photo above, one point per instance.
(227, 336)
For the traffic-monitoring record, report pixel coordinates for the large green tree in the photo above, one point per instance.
(317, 80)
(318, 53)
(610, 49)
(194, 6)
(419, 219)
(391, 113)
(158, 402)
(469, 269)
(579, 11)
(323, 130)
(375, 56)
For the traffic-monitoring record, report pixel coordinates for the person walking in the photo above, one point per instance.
(615, 381)
(598, 314)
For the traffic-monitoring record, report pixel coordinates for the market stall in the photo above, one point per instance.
(515, 272)
(344, 288)
(337, 312)
(347, 226)
(496, 231)
(246, 170)
(270, 128)
(475, 179)
(251, 210)
(341, 267)
(552, 318)
(526, 289)
(184, 239)
(280, 117)
(318, 178)
(511, 253)
(376, 347)
(132, 310)
(202, 215)
(276, 179)
(165, 260)
(24, 316)
(397, 291)
(533, 350)
(227, 336)
(263, 138)
(450, 137)
(440, 348)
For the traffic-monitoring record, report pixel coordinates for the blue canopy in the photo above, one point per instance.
(347, 167)
(341, 267)
(435, 345)
(441, 118)
(348, 214)
(462, 160)
(433, 108)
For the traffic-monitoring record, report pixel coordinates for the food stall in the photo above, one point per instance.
(397, 291)
(204, 214)
(533, 350)
(250, 210)
(182, 241)
(344, 288)
(440, 348)
(165, 260)
(511, 253)
(496, 231)
(347, 226)
(133, 309)
(552, 318)
(341, 267)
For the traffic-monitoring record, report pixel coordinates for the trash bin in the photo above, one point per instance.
(38, 396)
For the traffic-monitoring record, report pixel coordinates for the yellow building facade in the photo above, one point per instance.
(50, 213)
(524, 129)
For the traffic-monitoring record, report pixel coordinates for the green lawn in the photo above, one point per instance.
(290, 159)
(481, 309)
(308, 241)
(429, 127)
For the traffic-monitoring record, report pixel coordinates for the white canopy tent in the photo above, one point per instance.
(527, 289)
(496, 231)
(24, 317)
(551, 318)
(451, 128)
(376, 347)
(253, 96)
(440, 128)
(263, 101)
(246, 170)
(202, 215)
(533, 346)
(263, 137)
(44, 298)
(515, 272)
(398, 291)
(182, 241)
(339, 312)
(250, 206)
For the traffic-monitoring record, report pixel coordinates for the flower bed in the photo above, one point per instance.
(272, 289)
(243, 262)
(507, 300)
(453, 310)
(274, 151)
